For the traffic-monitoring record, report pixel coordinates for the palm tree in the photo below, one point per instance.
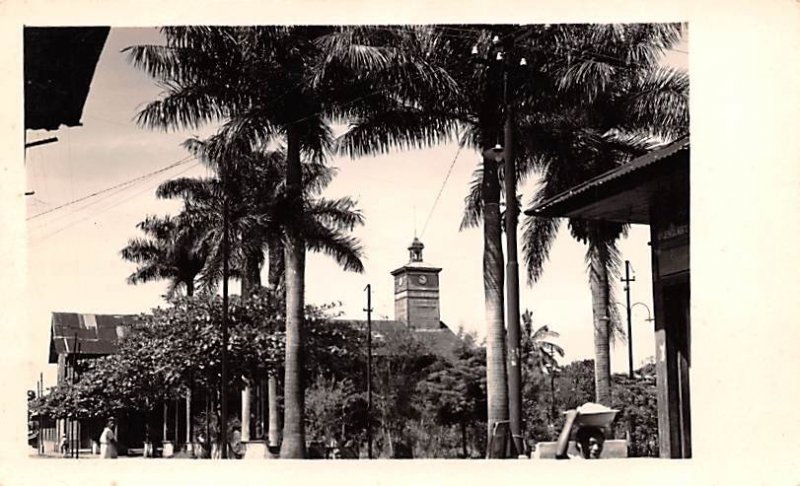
(283, 84)
(630, 102)
(590, 86)
(474, 109)
(258, 220)
(167, 252)
(538, 351)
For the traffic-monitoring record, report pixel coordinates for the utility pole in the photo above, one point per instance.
(628, 279)
(512, 266)
(40, 448)
(369, 370)
(223, 428)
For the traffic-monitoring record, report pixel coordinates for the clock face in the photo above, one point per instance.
(422, 279)
(400, 280)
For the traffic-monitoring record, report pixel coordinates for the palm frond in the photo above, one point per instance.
(346, 250)
(473, 202)
(341, 214)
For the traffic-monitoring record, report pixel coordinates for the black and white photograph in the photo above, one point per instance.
(235, 197)
(345, 241)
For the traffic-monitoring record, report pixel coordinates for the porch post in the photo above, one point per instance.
(274, 414)
(246, 413)
(189, 419)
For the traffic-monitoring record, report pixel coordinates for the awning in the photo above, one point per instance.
(624, 194)
(59, 67)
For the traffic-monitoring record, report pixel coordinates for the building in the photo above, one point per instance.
(653, 190)
(76, 337)
(416, 307)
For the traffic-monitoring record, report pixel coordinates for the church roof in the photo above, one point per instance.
(86, 334)
(441, 342)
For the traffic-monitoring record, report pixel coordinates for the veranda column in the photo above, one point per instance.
(166, 416)
(189, 419)
(274, 413)
(246, 413)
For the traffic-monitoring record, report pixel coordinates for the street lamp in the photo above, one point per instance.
(551, 370)
(503, 56)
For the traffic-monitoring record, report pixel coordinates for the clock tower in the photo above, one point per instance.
(416, 291)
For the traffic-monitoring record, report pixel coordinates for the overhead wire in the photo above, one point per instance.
(111, 206)
(102, 191)
(441, 188)
(45, 224)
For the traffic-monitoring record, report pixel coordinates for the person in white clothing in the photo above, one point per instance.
(108, 441)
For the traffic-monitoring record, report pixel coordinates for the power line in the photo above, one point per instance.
(446, 177)
(145, 176)
(107, 208)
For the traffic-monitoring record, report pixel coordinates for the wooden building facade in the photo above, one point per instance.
(653, 190)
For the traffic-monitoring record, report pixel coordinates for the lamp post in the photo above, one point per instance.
(551, 370)
(628, 279)
(501, 56)
(369, 370)
(629, 309)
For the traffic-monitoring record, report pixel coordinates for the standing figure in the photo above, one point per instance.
(63, 446)
(108, 441)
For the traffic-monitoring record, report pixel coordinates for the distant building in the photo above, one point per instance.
(76, 337)
(416, 307)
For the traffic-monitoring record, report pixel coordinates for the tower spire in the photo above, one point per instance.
(415, 220)
(415, 250)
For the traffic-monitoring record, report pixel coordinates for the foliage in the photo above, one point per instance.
(335, 410)
(453, 394)
(636, 399)
(573, 385)
(170, 250)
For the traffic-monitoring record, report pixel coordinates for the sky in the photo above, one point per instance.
(73, 256)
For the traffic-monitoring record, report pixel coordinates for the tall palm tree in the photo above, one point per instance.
(167, 252)
(258, 221)
(284, 84)
(473, 108)
(598, 83)
(630, 103)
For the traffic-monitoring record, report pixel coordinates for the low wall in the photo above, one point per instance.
(612, 449)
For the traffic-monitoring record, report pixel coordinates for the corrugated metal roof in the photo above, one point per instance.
(96, 334)
(441, 342)
(622, 172)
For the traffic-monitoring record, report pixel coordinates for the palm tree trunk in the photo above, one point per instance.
(251, 281)
(493, 273)
(599, 285)
(189, 288)
(275, 250)
(293, 445)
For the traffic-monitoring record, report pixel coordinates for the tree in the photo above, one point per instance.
(537, 349)
(167, 252)
(277, 84)
(257, 211)
(454, 391)
(628, 101)
(636, 399)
